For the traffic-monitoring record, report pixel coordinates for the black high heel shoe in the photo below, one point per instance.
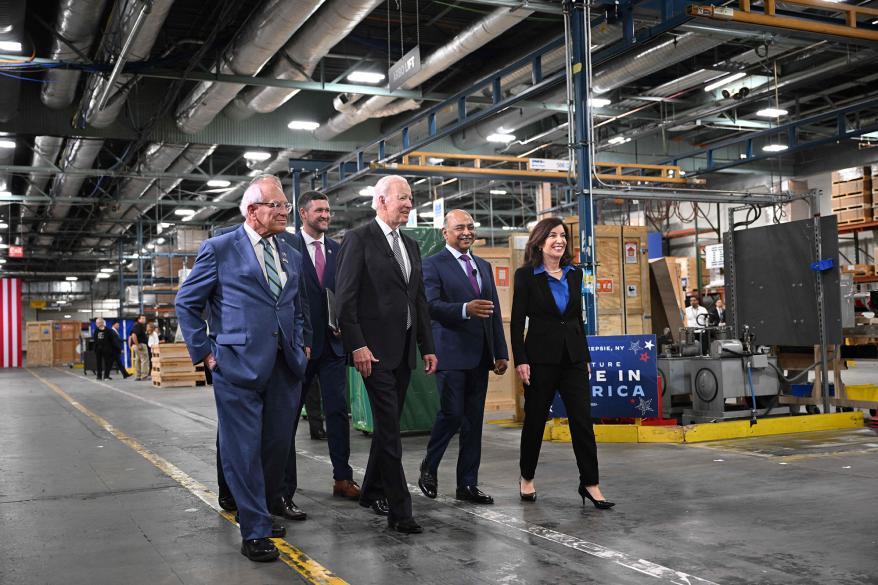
(531, 497)
(599, 504)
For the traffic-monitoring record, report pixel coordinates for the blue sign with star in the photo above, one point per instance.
(623, 380)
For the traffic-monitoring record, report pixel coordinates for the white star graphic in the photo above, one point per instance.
(649, 345)
(645, 407)
(635, 346)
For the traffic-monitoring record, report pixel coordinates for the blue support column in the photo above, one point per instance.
(140, 266)
(575, 12)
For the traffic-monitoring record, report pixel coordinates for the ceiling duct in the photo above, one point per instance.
(77, 23)
(261, 37)
(469, 40)
(654, 58)
(11, 29)
(80, 153)
(46, 151)
(123, 29)
(300, 56)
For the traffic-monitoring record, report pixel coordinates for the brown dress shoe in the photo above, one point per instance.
(346, 488)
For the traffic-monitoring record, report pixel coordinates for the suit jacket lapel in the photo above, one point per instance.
(455, 267)
(248, 257)
(307, 264)
(411, 248)
(329, 273)
(485, 272)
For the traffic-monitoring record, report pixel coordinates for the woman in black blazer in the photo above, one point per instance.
(554, 356)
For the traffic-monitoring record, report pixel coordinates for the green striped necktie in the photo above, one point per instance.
(271, 268)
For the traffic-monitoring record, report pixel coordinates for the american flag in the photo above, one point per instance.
(10, 323)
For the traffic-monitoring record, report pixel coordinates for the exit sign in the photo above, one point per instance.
(16, 251)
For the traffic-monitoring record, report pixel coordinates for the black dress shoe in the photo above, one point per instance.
(318, 435)
(379, 506)
(427, 481)
(227, 503)
(473, 494)
(260, 550)
(291, 511)
(277, 530)
(406, 526)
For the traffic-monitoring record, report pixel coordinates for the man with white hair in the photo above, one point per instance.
(248, 282)
(104, 349)
(382, 314)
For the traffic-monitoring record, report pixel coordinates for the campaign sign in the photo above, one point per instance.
(623, 380)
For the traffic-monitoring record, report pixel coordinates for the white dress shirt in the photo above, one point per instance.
(312, 249)
(457, 254)
(405, 255)
(692, 316)
(260, 254)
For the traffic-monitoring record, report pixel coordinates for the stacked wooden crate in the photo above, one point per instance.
(172, 367)
(52, 343)
(852, 191)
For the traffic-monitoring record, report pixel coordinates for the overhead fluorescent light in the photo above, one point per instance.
(743, 156)
(772, 113)
(724, 81)
(5, 143)
(597, 102)
(107, 270)
(183, 212)
(84, 310)
(366, 77)
(218, 183)
(501, 138)
(10, 46)
(507, 228)
(367, 191)
(303, 125)
(66, 316)
(102, 276)
(477, 224)
(71, 278)
(151, 246)
(618, 140)
(5, 194)
(257, 155)
(160, 241)
(419, 181)
(3, 225)
(2, 260)
(3, 246)
(775, 147)
(497, 191)
(166, 225)
(435, 160)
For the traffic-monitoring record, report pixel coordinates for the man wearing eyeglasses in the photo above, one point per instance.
(248, 284)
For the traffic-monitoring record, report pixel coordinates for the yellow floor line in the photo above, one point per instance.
(311, 570)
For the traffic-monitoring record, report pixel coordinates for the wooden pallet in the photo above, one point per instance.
(859, 269)
(172, 367)
(177, 383)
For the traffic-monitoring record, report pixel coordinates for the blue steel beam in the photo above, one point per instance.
(789, 131)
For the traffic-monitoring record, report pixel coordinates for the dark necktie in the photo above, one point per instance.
(397, 253)
(319, 261)
(471, 274)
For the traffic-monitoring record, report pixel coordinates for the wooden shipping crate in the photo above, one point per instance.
(503, 271)
(39, 353)
(502, 390)
(44, 331)
(850, 216)
(66, 330)
(851, 174)
(32, 331)
(856, 200)
(64, 352)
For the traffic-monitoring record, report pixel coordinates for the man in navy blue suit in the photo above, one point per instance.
(468, 332)
(248, 283)
(328, 361)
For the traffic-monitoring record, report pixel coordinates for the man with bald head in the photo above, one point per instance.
(382, 314)
(247, 282)
(468, 332)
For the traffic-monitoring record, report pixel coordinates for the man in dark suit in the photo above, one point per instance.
(119, 348)
(328, 363)
(717, 313)
(248, 282)
(468, 332)
(382, 314)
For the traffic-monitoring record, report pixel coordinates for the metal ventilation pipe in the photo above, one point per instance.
(260, 38)
(77, 23)
(46, 151)
(300, 56)
(80, 153)
(279, 164)
(474, 37)
(651, 59)
(123, 29)
(12, 27)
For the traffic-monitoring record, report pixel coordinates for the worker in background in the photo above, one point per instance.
(138, 341)
(554, 356)
(152, 341)
(468, 332)
(383, 315)
(696, 315)
(104, 349)
(247, 282)
(119, 348)
(718, 313)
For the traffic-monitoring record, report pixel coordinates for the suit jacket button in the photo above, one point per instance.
(274, 333)
(562, 323)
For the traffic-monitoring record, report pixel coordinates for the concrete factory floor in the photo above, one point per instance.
(102, 483)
